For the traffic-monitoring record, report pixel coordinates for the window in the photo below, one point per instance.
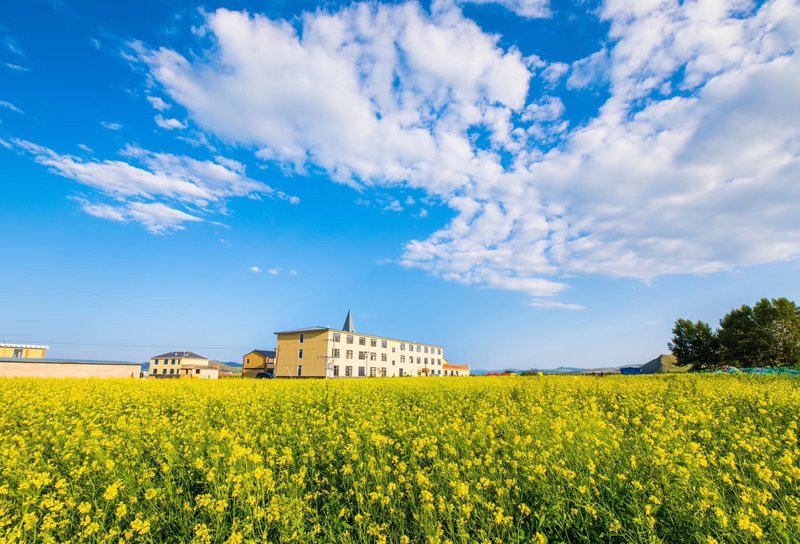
(362, 341)
(439, 352)
(348, 370)
(411, 347)
(299, 370)
(336, 353)
(247, 361)
(172, 371)
(384, 343)
(349, 338)
(383, 357)
(362, 371)
(372, 372)
(335, 371)
(373, 342)
(426, 361)
(393, 362)
(197, 371)
(174, 361)
(302, 337)
(402, 358)
(426, 349)
(401, 372)
(419, 360)
(372, 356)
(383, 372)
(419, 349)
(438, 362)
(300, 353)
(402, 347)
(393, 348)
(337, 337)
(362, 355)
(164, 371)
(348, 354)
(155, 362)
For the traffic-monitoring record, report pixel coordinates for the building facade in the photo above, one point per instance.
(182, 364)
(323, 352)
(14, 367)
(22, 351)
(258, 363)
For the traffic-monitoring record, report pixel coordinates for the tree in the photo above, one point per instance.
(694, 343)
(768, 334)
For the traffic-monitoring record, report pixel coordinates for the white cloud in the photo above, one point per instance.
(531, 9)
(274, 271)
(393, 206)
(110, 125)
(86, 148)
(293, 272)
(16, 67)
(13, 47)
(543, 303)
(689, 167)
(169, 124)
(148, 187)
(158, 103)
(10, 106)
(255, 270)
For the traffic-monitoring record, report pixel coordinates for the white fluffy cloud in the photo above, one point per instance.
(531, 9)
(169, 124)
(149, 188)
(689, 167)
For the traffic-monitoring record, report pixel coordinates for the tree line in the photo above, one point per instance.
(765, 335)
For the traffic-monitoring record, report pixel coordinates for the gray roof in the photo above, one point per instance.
(305, 329)
(64, 361)
(265, 352)
(179, 355)
(349, 326)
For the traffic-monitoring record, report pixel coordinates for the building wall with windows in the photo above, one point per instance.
(168, 365)
(258, 361)
(22, 351)
(332, 353)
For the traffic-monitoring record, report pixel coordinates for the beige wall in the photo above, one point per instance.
(27, 353)
(395, 358)
(67, 370)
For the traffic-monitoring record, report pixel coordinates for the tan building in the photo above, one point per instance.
(323, 352)
(182, 364)
(456, 370)
(258, 363)
(23, 351)
(11, 367)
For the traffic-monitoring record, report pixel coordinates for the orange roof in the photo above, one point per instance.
(456, 367)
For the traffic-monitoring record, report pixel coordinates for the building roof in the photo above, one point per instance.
(455, 367)
(349, 326)
(179, 355)
(320, 329)
(265, 352)
(29, 346)
(63, 361)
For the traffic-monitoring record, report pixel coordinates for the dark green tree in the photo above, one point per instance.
(768, 334)
(694, 343)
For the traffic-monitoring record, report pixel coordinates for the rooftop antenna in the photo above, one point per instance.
(348, 323)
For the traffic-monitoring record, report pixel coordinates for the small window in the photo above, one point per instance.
(383, 357)
(302, 337)
(384, 343)
(362, 355)
(372, 372)
(336, 352)
(299, 370)
(362, 341)
(419, 349)
(401, 372)
(197, 371)
(439, 352)
(164, 371)
(336, 337)
(172, 371)
(402, 347)
(348, 354)
(362, 371)
(373, 342)
(426, 360)
(247, 361)
(300, 353)
(349, 338)
(402, 358)
(419, 360)
(426, 349)
(383, 372)
(335, 371)
(372, 356)
(393, 349)
(348, 370)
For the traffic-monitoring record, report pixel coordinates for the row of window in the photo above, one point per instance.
(166, 361)
(373, 371)
(373, 342)
(172, 371)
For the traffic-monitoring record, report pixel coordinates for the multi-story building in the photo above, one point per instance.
(323, 352)
(258, 363)
(182, 364)
(22, 351)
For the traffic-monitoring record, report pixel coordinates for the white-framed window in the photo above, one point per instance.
(373, 342)
(337, 337)
(362, 371)
(302, 337)
(348, 370)
(335, 371)
(348, 354)
(299, 370)
(300, 353)
(402, 347)
(402, 358)
(372, 372)
(384, 343)
(336, 352)
(372, 356)
(349, 338)
(362, 341)
(383, 357)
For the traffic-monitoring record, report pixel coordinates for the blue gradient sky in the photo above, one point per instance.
(87, 276)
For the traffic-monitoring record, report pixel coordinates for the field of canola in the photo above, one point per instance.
(542, 459)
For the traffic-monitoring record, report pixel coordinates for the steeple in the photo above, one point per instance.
(348, 323)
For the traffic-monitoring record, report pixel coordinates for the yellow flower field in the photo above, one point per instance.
(542, 459)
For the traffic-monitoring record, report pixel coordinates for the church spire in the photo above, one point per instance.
(348, 323)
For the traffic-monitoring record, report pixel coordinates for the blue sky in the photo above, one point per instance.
(528, 183)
